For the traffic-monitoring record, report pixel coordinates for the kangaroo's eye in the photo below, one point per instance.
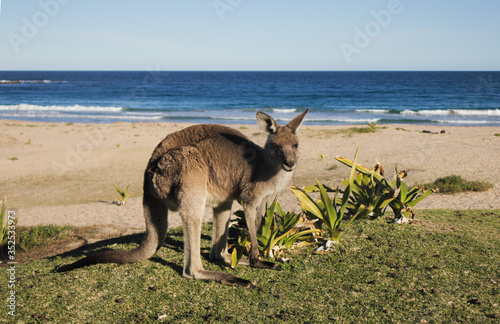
(295, 145)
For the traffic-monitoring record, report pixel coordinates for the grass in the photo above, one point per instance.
(32, 237)
(361, 130)
(455, 184)
(333, 167)
(444, 268)
(4, 222)
(402, 129)
(345, 132)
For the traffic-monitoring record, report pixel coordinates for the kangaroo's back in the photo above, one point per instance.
(215, 156)
(197, 135)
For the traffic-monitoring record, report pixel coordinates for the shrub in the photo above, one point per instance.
(455, 183)
(375, 193)
(3, 227)
(123, 196)
(278, 230)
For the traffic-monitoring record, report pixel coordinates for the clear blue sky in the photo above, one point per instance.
(250, 35)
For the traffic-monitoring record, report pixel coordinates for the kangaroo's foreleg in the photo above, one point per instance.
(255, 262)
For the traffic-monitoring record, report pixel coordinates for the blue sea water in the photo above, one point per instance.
(334, 98)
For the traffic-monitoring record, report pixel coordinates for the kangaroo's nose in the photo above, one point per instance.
(289, 165)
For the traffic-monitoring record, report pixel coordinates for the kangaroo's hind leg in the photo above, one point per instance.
(156, 217)
(191, 211)
(219, 251)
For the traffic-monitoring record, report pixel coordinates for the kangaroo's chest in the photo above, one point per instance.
(274, 186)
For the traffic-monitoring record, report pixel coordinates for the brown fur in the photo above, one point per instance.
(210, 165)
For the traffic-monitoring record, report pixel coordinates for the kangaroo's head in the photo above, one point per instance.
(282, 144)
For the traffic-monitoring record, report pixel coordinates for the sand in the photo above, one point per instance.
(56, 173)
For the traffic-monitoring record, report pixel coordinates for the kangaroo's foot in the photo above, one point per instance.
(223, 257)
(224, 278)
(238, 282)
(259, 264)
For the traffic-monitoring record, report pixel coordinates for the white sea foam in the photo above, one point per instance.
(29, 81)
(58, 115)
(232, 118)
(373, 111)
(75, 108)
(448, 112)
(285, 110)
(467, 122)
(122, 117)
(408, 112)
(345, 120)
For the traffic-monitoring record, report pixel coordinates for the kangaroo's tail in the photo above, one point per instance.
(156, 217)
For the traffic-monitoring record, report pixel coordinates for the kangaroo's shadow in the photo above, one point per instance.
(173, 241)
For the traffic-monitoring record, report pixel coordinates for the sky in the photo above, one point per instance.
(245, 35)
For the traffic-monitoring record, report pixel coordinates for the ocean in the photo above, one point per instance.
(334, 98)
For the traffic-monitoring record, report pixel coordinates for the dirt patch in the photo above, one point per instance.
(433, 227)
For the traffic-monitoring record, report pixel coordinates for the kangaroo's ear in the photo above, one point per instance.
(267, 123)
(295, 123)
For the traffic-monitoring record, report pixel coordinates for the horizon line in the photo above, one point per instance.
(180, 70)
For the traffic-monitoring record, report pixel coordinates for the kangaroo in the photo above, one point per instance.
(210, 165)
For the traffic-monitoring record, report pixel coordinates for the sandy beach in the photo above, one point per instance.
(56, 173)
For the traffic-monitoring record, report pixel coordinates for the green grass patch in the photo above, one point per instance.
(444, 268)
(333, 167)
(361, 130)
(455, 184)
(370, 128)
(402, 129)
(345, 132)
(35, 236)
